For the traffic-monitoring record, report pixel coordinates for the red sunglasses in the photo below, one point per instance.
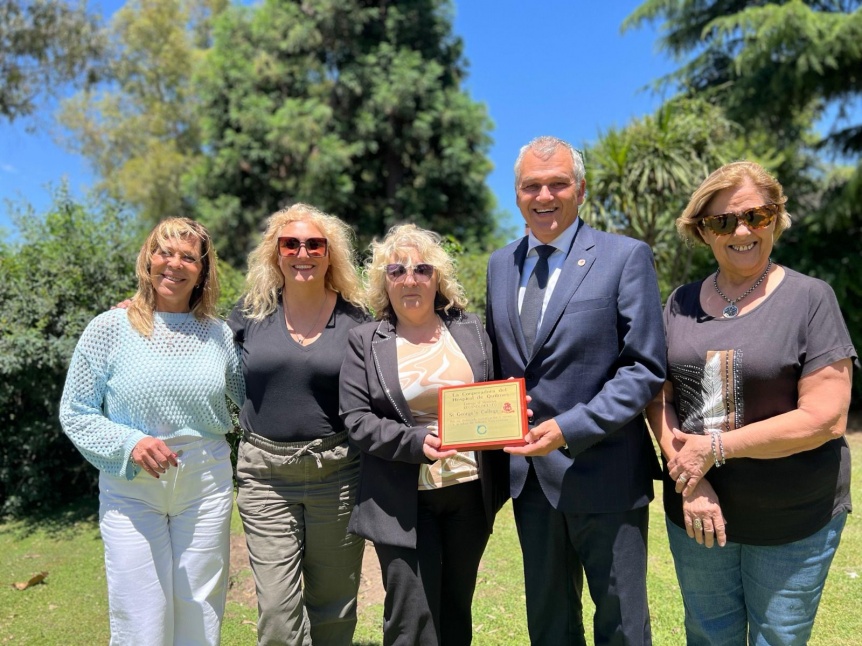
(290, 246)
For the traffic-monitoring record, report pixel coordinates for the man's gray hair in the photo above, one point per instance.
(545, 146)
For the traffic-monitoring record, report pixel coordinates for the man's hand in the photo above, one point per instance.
(541, 440)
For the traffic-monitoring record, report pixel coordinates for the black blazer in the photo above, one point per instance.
(379, 422)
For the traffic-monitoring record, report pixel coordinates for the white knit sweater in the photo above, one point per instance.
(122, 386)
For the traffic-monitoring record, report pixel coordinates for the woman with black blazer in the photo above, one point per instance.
(429, 512)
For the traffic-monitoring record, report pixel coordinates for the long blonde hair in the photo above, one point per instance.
(264, 280)
(397, 242)
(202, 302)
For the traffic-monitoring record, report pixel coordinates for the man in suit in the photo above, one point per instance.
(576, 312)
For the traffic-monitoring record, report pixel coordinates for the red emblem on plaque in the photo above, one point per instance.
(507, 408)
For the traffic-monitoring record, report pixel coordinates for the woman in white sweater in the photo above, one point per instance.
(144, 402)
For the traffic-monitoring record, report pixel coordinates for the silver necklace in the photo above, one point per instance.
(300, 338)
(732, 310)
(170, 335)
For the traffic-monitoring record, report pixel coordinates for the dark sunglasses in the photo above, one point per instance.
(421, 272)
(290, 246)
(725, 223)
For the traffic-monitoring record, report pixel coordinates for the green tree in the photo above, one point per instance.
(140, 130)
(827, 243)
(67, 266)
(773, 65)
(354, 106)
(44, 44)
(640, 178)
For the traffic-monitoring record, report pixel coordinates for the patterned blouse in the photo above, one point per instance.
(423, 370)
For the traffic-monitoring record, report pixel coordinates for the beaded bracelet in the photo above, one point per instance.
(717, 456)
(712, 441)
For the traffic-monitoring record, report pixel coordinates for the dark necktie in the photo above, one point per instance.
(534, 296)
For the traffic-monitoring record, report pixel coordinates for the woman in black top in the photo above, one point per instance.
(759, 365)
(297, 473)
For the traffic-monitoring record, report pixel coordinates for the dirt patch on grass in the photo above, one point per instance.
(242, 591)
(371, 582)
(241, 581)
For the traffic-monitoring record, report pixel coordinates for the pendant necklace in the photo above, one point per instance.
(732, 310)
(300, 338)
(170, 335)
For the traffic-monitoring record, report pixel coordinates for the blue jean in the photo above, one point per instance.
(770, 591)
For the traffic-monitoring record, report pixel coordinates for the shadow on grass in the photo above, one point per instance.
(55, 523)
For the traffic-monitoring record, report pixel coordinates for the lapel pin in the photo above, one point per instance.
(581, 262)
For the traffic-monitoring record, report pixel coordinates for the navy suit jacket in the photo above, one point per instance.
(599, 357)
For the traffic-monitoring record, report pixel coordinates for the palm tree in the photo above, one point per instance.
(641, 176)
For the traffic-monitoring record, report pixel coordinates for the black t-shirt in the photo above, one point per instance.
(727, 373)
(291, 389)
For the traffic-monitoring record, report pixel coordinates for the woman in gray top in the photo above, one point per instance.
(751, 423)
(297, 474)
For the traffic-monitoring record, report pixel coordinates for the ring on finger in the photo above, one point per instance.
(683, 478)
(697, 524)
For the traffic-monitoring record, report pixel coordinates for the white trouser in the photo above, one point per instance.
(167, 548)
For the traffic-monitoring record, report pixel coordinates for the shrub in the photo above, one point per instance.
(67, 266)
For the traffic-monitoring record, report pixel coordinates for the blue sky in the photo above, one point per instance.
(558, 67)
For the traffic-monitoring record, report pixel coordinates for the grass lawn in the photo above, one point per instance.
(70, 608)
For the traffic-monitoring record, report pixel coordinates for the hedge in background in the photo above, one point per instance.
(66, 266)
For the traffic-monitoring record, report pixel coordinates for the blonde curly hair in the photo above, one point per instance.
(732, 175)
(450, 293)
(204, 297)
(265, 281)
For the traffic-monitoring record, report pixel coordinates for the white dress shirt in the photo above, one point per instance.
(562, 243)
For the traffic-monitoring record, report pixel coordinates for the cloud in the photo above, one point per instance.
(9, 168)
